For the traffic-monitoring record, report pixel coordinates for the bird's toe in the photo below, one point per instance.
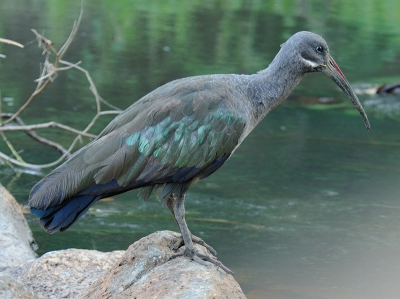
(200, 241)
(202, 259)
(179, 243)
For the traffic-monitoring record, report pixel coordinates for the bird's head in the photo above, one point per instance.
(312, 55)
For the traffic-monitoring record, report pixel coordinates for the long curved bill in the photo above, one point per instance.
(333, 71)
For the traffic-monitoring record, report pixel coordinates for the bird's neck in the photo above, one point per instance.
(269, 87)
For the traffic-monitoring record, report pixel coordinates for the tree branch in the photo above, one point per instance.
(48, 74)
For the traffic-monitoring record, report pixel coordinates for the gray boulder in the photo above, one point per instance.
(16, 240)
(61, 274)
(145, 271)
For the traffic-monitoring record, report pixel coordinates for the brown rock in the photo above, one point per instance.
(145, 271)
(55, 273)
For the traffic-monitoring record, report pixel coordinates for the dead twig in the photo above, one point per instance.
(46, 125)
(11, 147)
(10, 42)
(49, 69)
(55, 71)
(13, 122)
(71, 37)
(28, 129)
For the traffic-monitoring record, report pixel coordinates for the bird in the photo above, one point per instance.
(178, 134)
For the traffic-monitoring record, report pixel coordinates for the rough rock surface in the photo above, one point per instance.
(145, 271)
(16, 238)
(14, 289)
(64, 273)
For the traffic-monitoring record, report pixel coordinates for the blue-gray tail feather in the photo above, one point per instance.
(60, 217)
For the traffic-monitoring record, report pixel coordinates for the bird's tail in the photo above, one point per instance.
(60, 217)
(56, 199)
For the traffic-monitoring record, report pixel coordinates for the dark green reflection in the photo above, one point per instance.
(308, 205)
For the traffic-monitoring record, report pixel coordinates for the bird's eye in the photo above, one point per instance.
(319, 49)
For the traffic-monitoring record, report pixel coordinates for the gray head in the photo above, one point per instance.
(308, 49)
(310, 53)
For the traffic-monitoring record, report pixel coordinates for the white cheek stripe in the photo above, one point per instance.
(310, 63)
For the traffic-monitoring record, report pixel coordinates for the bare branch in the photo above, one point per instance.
(48, 73)
(29, 165)
(29, 131)
(10, 42)
(11, 147)
(71, 37)
(49, 69)
(44, 43)
(47, 142)
(57, 70)
(27, 103)
(92, 85)
(110, 112)
(40, 166)
(46, 125)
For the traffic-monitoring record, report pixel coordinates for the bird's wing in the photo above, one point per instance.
(171, 135)
(183, 130)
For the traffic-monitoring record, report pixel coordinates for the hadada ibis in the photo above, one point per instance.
(176, 135)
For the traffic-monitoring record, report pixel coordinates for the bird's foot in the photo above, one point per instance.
(196, 240)
(202, 259)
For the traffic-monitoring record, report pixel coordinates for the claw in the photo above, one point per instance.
(204, 244)
(202, 259)
(196, 240)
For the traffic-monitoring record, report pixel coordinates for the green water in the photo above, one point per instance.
(307, 207)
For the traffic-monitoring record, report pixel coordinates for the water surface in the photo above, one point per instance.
(307, 207)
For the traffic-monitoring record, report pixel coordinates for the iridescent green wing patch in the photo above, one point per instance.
(174, 127)
(187, 142)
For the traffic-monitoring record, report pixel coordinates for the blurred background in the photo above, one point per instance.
(307, 207)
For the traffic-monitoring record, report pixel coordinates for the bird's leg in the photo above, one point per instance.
(170, 202)
(179, 213)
